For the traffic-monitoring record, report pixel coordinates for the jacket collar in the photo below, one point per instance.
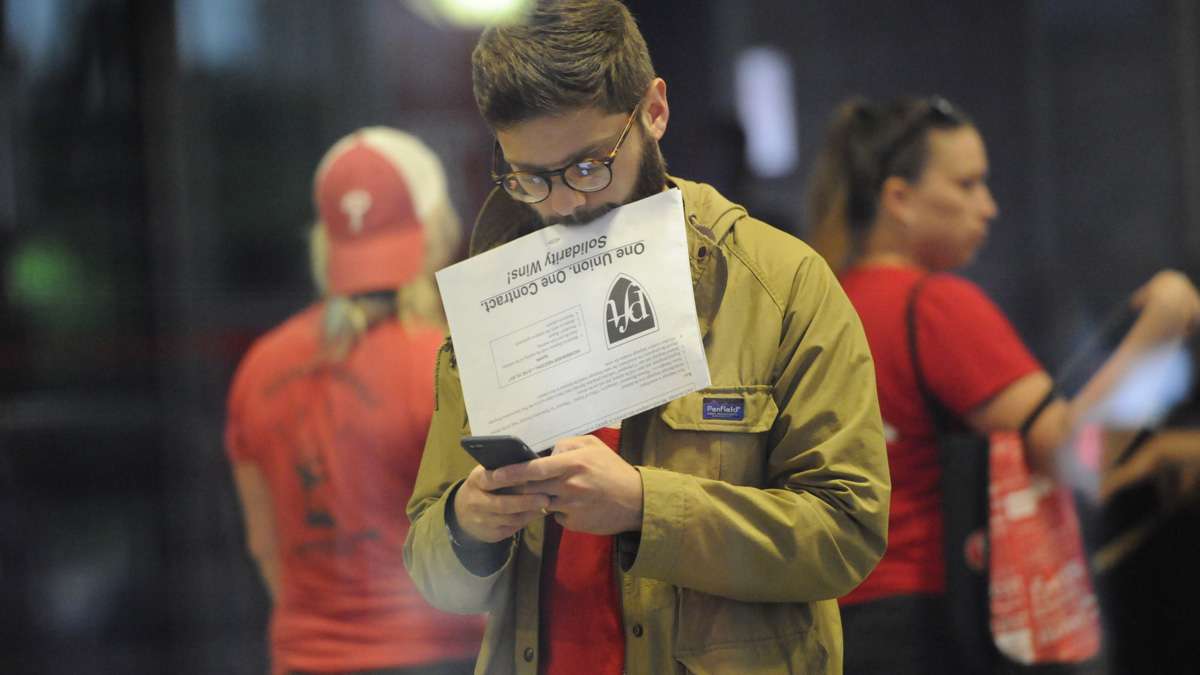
(709, 218)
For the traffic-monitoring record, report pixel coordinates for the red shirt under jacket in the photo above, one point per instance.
(581, 629)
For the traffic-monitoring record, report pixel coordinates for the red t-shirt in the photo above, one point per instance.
(581, 629)
(969, 353)
(339, 446)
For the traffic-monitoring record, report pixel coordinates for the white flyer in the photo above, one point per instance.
(573, 327)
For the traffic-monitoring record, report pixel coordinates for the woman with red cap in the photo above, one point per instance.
(327, 418)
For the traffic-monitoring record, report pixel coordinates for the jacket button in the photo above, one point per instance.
(702, 251)
(528, 654)
(637, 630)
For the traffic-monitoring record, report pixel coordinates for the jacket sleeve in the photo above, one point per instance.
(819, 524)
(430, 556)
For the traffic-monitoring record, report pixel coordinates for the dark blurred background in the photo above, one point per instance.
(155, 179)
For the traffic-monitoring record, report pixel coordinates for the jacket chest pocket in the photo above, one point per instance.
(719, 432)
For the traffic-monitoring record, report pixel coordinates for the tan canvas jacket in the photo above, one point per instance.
(751, 527)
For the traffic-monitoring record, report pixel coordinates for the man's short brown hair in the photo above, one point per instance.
(566, 54)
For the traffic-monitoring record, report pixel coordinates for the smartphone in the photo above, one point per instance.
(494, 452)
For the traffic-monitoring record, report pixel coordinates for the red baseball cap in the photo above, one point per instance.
(369, 191)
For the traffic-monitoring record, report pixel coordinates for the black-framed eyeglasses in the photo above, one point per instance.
(933, 112)
(587, 175)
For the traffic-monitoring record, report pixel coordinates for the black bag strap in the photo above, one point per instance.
(943, 418)
(1037, 411)
(964, 463)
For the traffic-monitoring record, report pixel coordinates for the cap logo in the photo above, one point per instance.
(355, 204)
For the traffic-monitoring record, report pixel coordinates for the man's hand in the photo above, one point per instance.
(487, 516)
(591, 488)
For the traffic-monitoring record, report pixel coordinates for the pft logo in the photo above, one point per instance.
(627, 312)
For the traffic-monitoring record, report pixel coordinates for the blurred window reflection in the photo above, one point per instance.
(216, 33)
(766, 107)
(34, 29)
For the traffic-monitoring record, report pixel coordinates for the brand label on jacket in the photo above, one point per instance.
(724, 409)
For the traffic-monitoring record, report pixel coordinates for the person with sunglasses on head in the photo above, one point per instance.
(902, 187)
(675, 541)
(327, 419)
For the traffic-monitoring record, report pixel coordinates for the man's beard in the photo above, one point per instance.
(652, 178)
